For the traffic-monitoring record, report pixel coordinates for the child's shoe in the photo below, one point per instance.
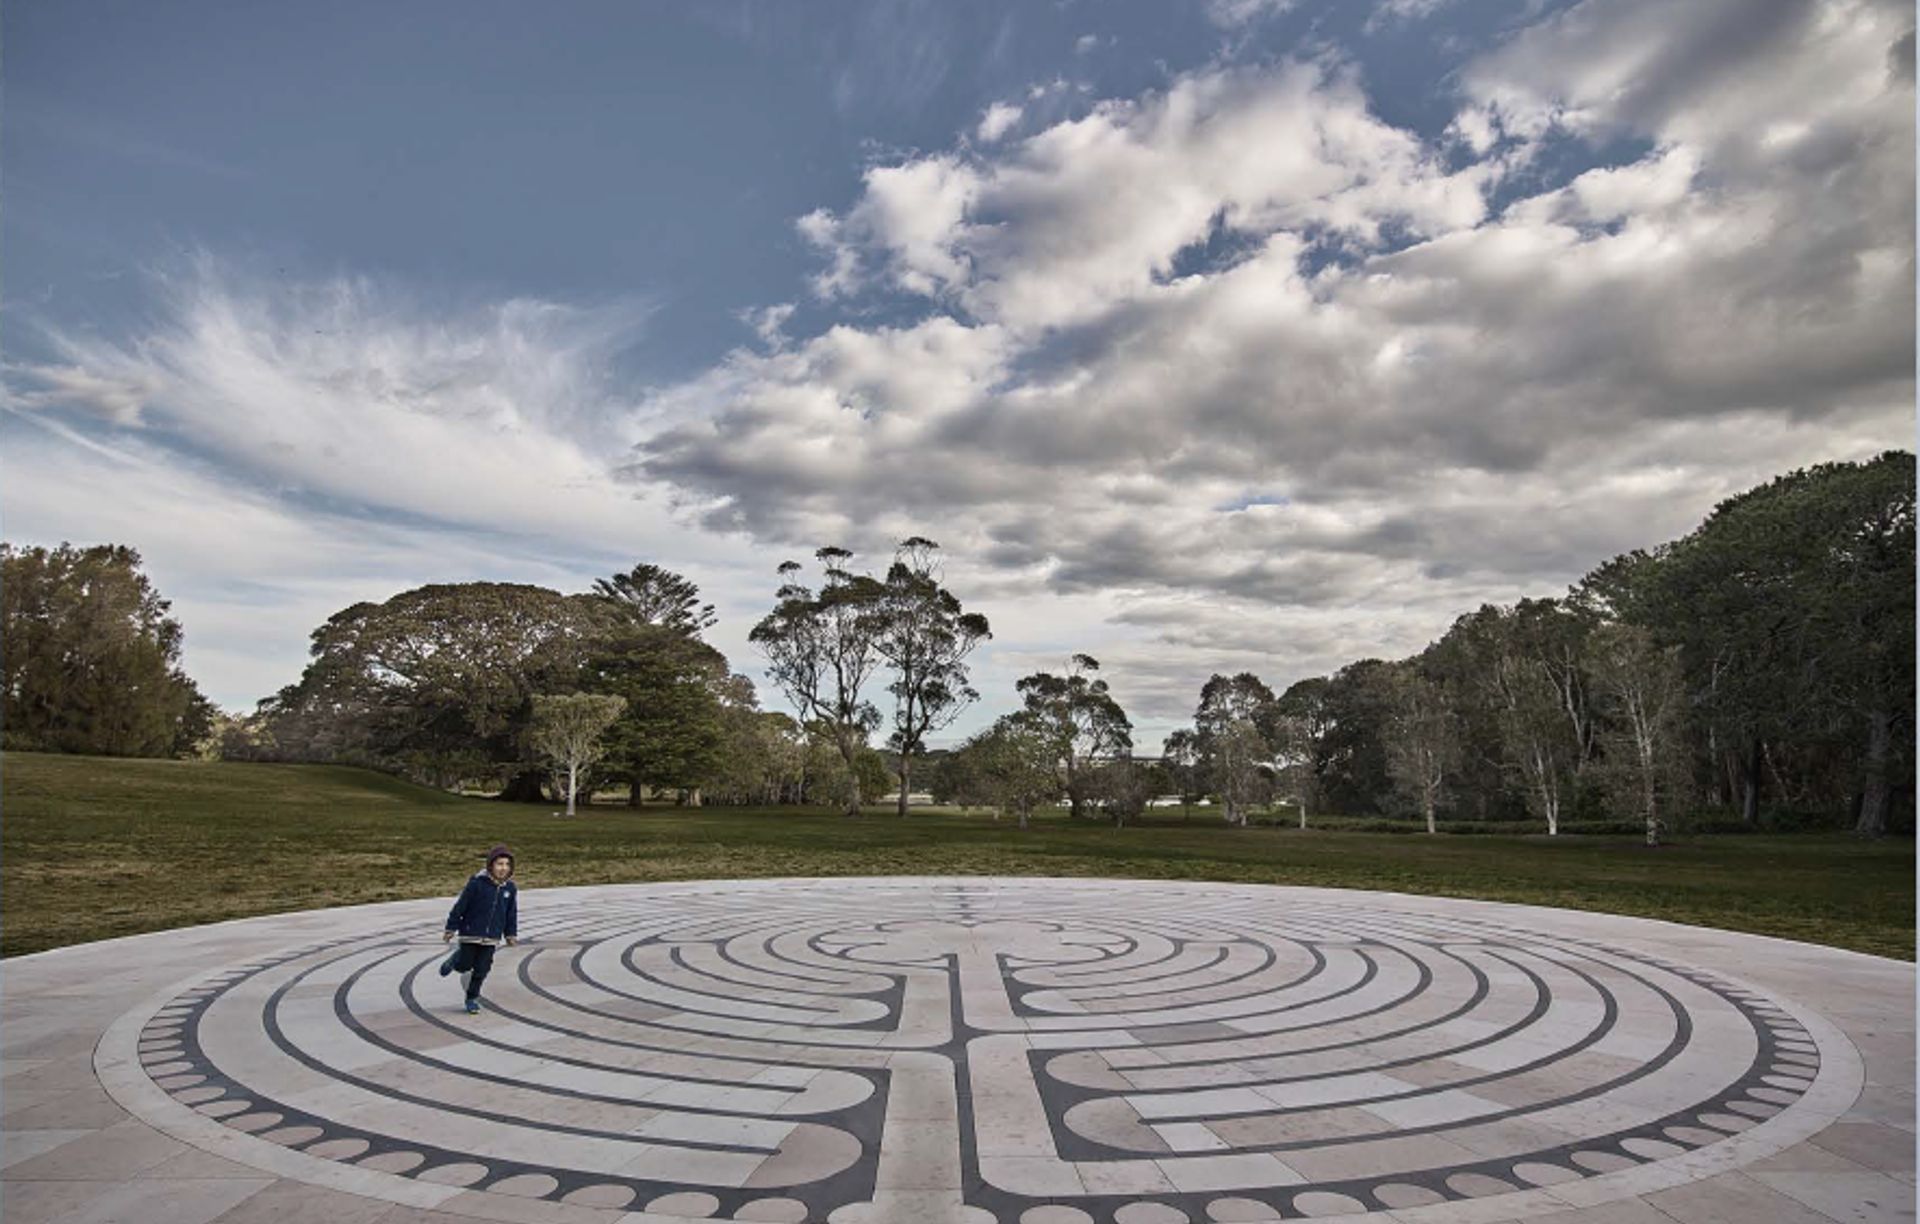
(446, 966)
(473, 1007)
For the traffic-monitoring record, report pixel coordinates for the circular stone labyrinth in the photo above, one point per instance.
(997, 1050)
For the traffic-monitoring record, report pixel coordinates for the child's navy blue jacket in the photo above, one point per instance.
(486, 910)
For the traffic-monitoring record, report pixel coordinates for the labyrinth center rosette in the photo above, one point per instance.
(1040, 1051)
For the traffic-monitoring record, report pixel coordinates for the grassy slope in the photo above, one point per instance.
(92, 848)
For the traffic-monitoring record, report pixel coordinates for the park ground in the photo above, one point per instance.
(92, 848)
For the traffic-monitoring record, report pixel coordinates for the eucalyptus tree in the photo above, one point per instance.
(925, 637)
(565, 730)
(1423, 747)
(1643, 693)
(822, 650)
(1082, 721)
(1301, 720)
(1231, 735)
(1540, 753)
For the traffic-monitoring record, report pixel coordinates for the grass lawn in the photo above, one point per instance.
(92, 848)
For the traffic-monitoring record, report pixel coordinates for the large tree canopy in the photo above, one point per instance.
(90, 656)
(438, 680)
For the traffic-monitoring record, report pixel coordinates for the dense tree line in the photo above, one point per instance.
(1769, 652)
(1762, 665)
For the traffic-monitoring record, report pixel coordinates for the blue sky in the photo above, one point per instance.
(1241, 334)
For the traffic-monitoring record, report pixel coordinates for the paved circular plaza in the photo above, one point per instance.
(1030, 1051)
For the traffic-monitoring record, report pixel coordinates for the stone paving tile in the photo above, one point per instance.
(124, 1202)
(1216, 1053)
(1855, 1198)
(19, 1145)
(287, 1202)
(60, 1109)
(1735, 1199)
(1883, 1148)
(121, 1151)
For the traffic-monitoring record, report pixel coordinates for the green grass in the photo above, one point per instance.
(92, 848)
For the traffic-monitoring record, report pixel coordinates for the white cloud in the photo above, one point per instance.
(1136, 322)
(1093, 212)
(277, 453)
(1133, 318)
(116, 398)
(998, 120)
(1236, 13)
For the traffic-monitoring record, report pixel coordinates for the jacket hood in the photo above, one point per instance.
(498, 852)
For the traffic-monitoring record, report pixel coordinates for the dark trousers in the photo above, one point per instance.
(476, 959)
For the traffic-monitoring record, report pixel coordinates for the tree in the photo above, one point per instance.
(437, 681)
(1353, 764)
(1533, 732)
(1424, 745)
(90, 658)
(566, 730)
(821, 651)
(1642, 690)
(1230, 733)
(764, 757)
(1081, 720)
(651, 595)
(670, 734)
(1124, 786)
(1802, 590)
(925, 637)
(1017, 763)
(830, 779)
(1301, 721)
(1182, 758)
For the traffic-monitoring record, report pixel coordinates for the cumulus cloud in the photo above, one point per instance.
(1091, 213)
(1458, 374)
(1232, 374)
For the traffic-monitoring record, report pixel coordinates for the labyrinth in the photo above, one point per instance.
(994, 1050)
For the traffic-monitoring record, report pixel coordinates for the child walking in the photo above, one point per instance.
(485, 914)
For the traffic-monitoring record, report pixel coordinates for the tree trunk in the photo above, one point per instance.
(527, 786)
(1303, 813)
(1875, 795)
(1651, 797)
(693, 797)
(1750, 785)
(1428, 808)
(906, 779)
(635, 791)
(573, 784)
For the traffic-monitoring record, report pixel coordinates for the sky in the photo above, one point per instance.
(1203, 337)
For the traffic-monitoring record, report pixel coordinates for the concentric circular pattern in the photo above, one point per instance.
(991, 1051)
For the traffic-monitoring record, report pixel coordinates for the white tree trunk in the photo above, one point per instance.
(573, 783)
